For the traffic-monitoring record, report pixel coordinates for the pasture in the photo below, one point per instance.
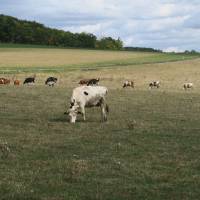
(148, 149)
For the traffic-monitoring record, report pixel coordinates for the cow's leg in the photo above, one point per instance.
(103, 111)
(132, 85)
(83, 112)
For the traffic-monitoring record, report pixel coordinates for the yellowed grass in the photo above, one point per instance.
(172, 75)
(26, 57)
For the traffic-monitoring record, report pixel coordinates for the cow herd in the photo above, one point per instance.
(28, 81)
(154, 84)
(51, 81)
(88, 94)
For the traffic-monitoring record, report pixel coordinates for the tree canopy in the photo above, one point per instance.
(13, 30)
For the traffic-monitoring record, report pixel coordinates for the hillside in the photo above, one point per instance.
(32, 59)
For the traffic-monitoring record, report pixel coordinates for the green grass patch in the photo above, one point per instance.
(148, 149)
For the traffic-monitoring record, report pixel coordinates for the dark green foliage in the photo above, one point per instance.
(109, 43)
(191, 52)
(20, 31)
(13, 30)
(141, 49)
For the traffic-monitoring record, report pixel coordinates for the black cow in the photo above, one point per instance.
(29, 80)
(51, 81)
(93, 81)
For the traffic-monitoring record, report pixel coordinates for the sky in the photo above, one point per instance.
(169, 25)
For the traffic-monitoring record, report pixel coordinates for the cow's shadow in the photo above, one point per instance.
(66, 119)
(58, 119)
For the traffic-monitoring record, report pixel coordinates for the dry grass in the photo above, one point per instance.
(148, 149)
(172, 75)
(10, 57)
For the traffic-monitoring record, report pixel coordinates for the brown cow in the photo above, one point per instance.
(92, 81)
(4, 81)
(1, 80)
(16, 82)
(84, 81)
(7, 81)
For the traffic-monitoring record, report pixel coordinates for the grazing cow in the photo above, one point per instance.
(51, 81)
(87, 96)
(4, 81)
(30, 80)
(84, 81)
(88, 82)
(16, 82)
(1, 81)
(128, 84)
(93, 81)
(154, 84)
(187, 85)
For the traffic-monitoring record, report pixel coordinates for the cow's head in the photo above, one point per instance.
(73, 111)
(73, 115)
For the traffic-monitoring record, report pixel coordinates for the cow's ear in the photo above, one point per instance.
(85, 93)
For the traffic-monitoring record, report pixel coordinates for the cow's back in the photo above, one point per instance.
(85, 93)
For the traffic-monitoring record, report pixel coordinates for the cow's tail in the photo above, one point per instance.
(107, 108)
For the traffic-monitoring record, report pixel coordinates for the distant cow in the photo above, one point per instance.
(16, 82)
(187, 85)
(154, 84)
(1, 80)
(87, 96)
(84, 81)
(93, 81)
(4, 81)
(88, 82)
(30, 80)
(51, 81)
(128, 84)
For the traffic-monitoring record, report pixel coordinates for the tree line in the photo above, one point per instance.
(142, 49)
(13, 30)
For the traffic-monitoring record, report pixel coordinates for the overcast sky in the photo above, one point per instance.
(170, 25)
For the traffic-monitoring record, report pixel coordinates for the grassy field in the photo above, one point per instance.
(17, 60)
(148, 149)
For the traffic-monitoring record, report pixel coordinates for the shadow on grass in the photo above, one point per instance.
(79, 120)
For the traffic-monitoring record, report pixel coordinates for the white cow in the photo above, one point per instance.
(87, 96)
(154, 84)
(187, 85)
(128, 84)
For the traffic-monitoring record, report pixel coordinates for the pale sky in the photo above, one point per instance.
(169, 25)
